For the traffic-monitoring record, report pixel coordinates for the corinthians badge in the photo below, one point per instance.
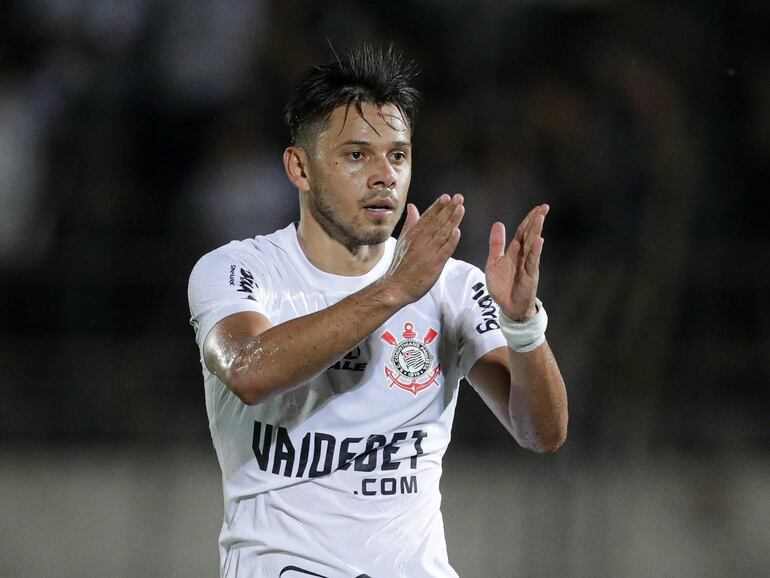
(412, 359)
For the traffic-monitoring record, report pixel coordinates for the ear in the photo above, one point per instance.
(295, 164)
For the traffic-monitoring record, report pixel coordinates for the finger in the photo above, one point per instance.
(524, 225)
(529, 220)
(412, 216)
(448, 248)
(450, 216)
(427, 221)
(514, 251)
(445, 232)
(535, 219)
(437, 206)
(528, 240)
(532, 262)
(457, 215)
(496, 241)
(534, 233)
(448, 210)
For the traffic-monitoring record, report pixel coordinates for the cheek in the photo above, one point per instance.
(406, 177)
(352, 170)
(341, 190)
(345, 180)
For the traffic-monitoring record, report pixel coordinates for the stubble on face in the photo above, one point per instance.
(353, 233)
(327, 205)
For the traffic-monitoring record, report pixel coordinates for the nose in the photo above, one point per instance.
(383, 175)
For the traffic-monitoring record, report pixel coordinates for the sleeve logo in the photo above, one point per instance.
(411, 359)
(246, 282)
(488, 309)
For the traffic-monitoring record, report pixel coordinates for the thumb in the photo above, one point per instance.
(497, 241)
(412, 216)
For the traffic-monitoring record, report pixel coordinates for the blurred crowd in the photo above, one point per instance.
(136, 136)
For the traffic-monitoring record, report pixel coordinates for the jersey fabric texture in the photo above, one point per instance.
(339, 477)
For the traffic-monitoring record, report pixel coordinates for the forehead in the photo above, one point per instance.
(374, 123)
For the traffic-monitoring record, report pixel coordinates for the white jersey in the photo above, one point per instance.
(339, 477)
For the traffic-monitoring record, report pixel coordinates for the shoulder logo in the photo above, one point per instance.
(246, 282)
(411, 359)
(488, 309)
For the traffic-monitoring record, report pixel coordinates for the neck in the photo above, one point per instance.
(332, 256)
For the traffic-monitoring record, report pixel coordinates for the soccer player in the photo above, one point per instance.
(332, 353)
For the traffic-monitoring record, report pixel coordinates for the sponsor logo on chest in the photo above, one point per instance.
(351, 361)
(412, 366)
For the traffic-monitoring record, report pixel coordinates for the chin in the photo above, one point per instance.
(357, 232)
(375, 237)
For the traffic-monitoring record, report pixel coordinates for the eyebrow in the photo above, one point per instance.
(366, 143)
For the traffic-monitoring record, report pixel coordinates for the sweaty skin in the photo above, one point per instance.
(353, 182)
(256, 359)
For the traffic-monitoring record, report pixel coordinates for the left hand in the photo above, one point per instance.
(512, 274)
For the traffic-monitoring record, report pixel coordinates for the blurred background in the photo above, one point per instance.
(136, 136)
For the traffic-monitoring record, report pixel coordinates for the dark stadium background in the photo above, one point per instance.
(135, 136)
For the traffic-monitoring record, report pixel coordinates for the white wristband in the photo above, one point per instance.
(523, 336)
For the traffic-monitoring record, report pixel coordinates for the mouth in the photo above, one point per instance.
(380, 207)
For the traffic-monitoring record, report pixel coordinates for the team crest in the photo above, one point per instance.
(412, 360)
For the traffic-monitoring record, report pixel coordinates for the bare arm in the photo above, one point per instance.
(526, 393)
(524, 390)
(256, 360)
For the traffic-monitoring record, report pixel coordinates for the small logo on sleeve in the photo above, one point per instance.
(246, 282)
(411, 359)
(488, 309)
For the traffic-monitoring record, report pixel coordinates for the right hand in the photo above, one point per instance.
(424, 246)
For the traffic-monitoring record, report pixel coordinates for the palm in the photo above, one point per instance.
(513, 273)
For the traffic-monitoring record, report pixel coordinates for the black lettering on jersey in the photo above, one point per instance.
(232, 274)
(303, 454)
(246, 282)
(366, 486)
(346, 456)
(409, 485)
(390, 449)
(418, 436)
(367, 461)
(349, 366)
(488, 309)
(389, 486)
(262, 453)
(320, 453)
(350, 361)
(284, 452)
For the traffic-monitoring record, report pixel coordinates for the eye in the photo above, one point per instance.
(356, 155)
(399, 156)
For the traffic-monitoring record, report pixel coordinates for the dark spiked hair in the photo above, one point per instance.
(366, 74)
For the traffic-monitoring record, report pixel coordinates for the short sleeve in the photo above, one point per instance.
(472, 312)
(223, 283)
